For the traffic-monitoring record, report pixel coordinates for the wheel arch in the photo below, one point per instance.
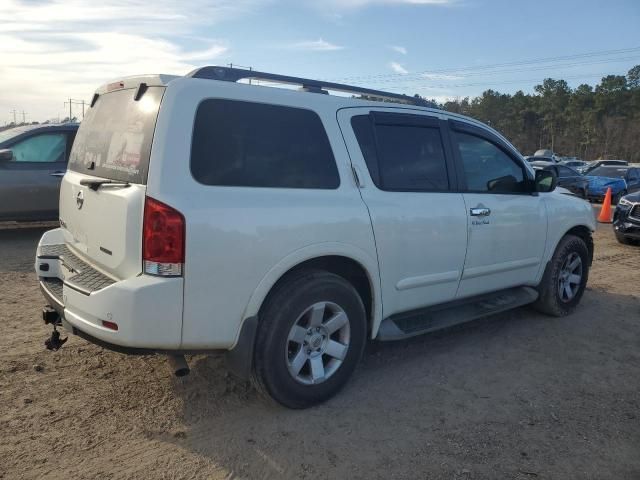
(351, 263)
(348, 261)
(583, 232)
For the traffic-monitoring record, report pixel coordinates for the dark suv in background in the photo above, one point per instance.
(626, 219)
(33, 159)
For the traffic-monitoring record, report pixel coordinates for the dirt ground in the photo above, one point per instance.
(516, 396)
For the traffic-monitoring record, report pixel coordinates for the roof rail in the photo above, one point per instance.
(227, 74)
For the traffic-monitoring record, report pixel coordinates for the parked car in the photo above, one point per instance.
(575, 164)
(567, 178)
(545, 153)
(626, 219)
(289, 227)
(601, 163)
(33, 160)
(621, 180)
(540, 160)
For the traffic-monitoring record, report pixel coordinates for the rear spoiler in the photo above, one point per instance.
(134, 81)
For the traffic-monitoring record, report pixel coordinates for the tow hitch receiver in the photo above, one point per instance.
(50, 316)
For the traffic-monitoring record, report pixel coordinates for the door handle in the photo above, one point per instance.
(480, 212)
(57, 174)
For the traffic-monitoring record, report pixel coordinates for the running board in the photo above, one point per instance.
(417, 322)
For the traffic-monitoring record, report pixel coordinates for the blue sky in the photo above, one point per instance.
(52, 49)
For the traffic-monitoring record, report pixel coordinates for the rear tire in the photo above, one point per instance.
(565, 278)
(311, 335)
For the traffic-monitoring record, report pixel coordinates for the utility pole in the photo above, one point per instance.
(75, 102)
(23, 117)
(70, 114)
(14, 115)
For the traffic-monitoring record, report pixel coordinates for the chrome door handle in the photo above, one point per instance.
(57, 174)
(480, 212)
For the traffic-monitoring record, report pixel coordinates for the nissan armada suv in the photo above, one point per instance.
(289, 227)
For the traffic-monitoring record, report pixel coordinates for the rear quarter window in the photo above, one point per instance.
(246, 144)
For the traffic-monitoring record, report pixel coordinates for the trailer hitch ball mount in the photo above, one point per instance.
(51, 317)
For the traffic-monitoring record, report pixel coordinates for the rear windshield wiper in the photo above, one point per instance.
(96, 184)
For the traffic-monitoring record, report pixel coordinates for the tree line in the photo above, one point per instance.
(601, 122)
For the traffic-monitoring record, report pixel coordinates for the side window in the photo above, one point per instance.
(487, 168)
(363, 128)
(407, 157)
(44, 148)
(247, 144)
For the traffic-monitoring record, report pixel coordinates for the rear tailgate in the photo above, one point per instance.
(103, 223)
(104, 226)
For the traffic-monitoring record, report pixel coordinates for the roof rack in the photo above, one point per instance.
(227, 74)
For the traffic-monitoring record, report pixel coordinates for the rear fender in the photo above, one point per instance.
(369, 263)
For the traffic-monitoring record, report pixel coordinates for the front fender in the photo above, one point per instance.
(565, 212)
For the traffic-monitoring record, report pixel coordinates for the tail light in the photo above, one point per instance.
(162, 239)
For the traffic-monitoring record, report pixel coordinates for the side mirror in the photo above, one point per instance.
(6, 155)
(546, 181)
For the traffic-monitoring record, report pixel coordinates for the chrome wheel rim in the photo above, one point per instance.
(570, 277)
(317, 343)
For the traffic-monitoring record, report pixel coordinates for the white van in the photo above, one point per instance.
(289, 227)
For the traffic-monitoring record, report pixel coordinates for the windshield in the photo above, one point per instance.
(609, 172)
(114, 139)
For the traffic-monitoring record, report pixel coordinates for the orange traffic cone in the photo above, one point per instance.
(605, 211)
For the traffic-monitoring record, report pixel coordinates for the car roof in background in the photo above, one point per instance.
(604, 169)
(22, 129)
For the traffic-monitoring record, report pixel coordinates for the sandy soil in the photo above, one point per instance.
(517, 396)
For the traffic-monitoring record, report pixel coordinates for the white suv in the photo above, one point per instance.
(289, 227)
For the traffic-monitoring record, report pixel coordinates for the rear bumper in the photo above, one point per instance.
(146, 309)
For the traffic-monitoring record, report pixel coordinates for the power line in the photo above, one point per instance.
(72, 102)
(476, 68)
(519, 70)
(489, 82)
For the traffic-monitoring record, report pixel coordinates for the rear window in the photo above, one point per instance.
(247, 144)
(114, 139)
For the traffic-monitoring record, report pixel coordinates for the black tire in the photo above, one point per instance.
(282, 308)
(550, 301)
(623, 240)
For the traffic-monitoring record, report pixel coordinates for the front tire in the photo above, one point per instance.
(565, 278)
(623, 240)
(311, 335)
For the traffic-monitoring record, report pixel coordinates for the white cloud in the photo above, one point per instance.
(396, 67)
(56, 49)
(398, 49)
(319, 45)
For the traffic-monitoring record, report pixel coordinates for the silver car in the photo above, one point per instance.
(33, 159)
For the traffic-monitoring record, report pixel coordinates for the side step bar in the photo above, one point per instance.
(417, 322)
